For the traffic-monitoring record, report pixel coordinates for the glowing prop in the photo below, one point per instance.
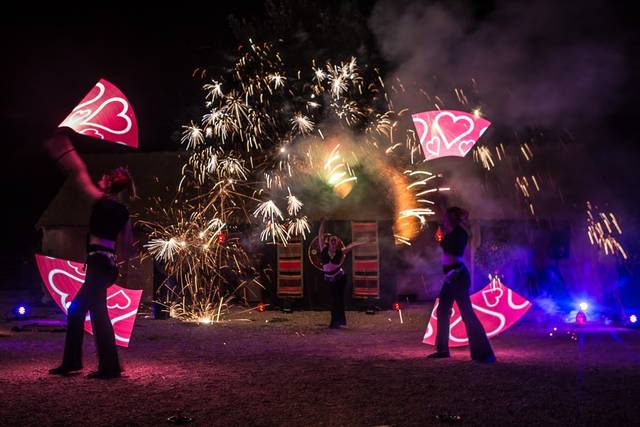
(338, 174)
(496, 306)
(448, 132)
(104, 113)
(64, 279)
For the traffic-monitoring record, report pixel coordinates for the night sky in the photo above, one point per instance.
(52, 58)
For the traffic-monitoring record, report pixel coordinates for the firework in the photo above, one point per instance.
(264, 133)
(602, 229)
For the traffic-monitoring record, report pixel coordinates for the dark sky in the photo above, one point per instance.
(52, 58)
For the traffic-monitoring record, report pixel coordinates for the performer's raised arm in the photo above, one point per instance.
(349, 247)
(71, 164)
(321, 235)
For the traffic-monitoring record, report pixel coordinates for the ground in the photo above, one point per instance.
(289, 369)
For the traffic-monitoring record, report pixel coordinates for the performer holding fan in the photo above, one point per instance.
(109, 223)
(456, 288)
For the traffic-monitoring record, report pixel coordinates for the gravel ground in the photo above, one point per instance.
(288, 369)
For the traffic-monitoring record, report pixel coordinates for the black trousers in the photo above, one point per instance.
(456, 288)
(92, 298)
(337, 301)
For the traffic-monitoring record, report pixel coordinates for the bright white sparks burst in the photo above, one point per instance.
(192, 135)
(293, 204)
(302, 124)
(214, 90)
(298, 227)
(231, 167)
(277, 80)
(268, 210)
(275, 231)
(163, 250)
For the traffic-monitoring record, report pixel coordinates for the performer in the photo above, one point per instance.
(456, 288)
(332, 256)
(109, 231)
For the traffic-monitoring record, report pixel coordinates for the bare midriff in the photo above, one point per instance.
(448, 259)
(93, 240)
(330, 267)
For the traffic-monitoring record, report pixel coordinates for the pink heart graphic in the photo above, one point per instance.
(79, 116)
(433, 146)
(455, 125)
(492, 296)
(60, 279)
(457, 132)
(105, 114)
(496, 314)
(425, 128)
(80, 269)
(92, 132)
(465, 146)
(122, 109)
(115, 300)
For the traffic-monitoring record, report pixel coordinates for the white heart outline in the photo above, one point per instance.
(428, 150)
(93, 131)
(77, 116)
(484, 296)
(438, 128)
(424, 124)
(86, 120)
(122, 114)
(64, 304)
(514, 305)
(116, 304)
(101, 91)
(468, 142)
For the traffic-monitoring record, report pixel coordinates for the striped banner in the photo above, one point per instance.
(366, 264)
(290, 270)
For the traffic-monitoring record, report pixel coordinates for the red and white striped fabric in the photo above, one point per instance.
(290, 283)
(366, 263)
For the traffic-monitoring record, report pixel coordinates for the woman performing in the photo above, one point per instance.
(332, 257)
(109, 223)
(456, 288)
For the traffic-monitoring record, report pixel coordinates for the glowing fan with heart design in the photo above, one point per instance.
(448, 132)
(496, 306)
(105, 113)
(64, 279)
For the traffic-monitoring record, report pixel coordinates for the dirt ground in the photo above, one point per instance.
(289, 369)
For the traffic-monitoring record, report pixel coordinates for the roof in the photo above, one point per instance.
(152, 172)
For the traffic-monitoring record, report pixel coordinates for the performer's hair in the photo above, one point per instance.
(118, 180)
(457, 216)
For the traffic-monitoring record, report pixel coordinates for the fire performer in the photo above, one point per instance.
(456, 288)
(332, 256)
(109, 223)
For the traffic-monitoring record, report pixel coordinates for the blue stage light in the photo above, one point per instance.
(20, 311)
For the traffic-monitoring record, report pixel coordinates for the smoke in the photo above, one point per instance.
(542, 63)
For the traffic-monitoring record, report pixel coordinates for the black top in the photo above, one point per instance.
(455, 241)
(108, 217)
(325, 258)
